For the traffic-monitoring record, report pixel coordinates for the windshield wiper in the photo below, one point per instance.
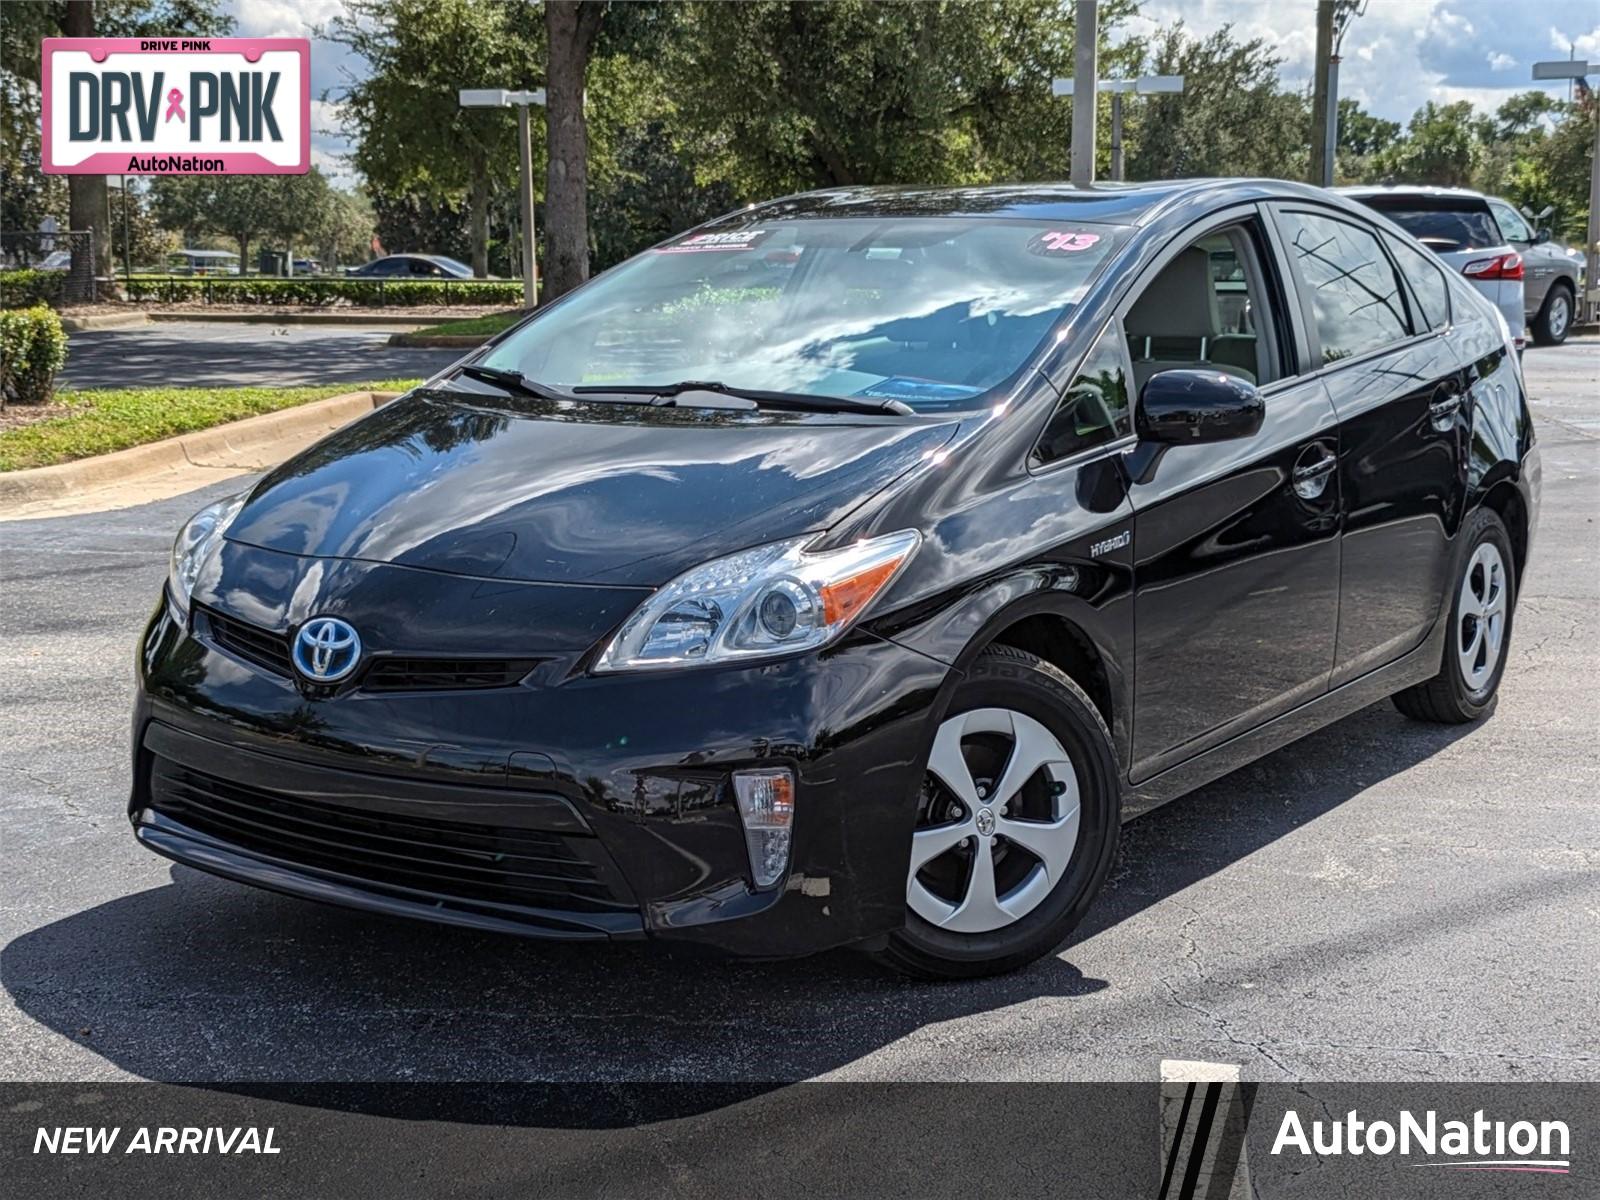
(667, 393)
(512, 381)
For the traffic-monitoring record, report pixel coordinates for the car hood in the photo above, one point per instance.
(574, 492)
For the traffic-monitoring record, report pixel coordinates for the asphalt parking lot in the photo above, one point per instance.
(219, 354)
(1383, 900)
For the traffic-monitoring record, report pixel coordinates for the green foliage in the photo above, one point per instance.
(319, 292)
(33, 347)
(789, 95)
(282, 211)
(419, 55)
(1230, 119)
(1442, 147)
(99, 422)
(26, 287)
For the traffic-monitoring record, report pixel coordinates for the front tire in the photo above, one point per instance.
(1479, 637)
(1017, 825)
(1554, 322)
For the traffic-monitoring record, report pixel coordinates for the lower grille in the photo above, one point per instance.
(519, 867)
(443, 674)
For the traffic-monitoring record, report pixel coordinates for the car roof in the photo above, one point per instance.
(1110, 203)
(1362, 191)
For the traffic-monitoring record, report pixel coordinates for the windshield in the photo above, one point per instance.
(928, 311)
(455, 265)
(1443, 224)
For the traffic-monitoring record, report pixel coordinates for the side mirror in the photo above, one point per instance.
(1541, 235)
(1187, 407)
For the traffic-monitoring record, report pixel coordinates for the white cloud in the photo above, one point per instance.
(1402, 53)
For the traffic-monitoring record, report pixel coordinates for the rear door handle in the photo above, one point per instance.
(1311, 479)
(1444, 408)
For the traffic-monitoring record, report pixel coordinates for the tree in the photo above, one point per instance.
(1442, 147)
(280, 210)
(405, 113)
(571, 27)
(1230, 119)
(790, 95)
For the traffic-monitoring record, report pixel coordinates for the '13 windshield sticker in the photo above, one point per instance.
(739, 239)
(1055, 242)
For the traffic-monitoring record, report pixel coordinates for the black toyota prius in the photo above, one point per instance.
(847, 569)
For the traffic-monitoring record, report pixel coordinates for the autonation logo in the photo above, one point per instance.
(1476, 1145)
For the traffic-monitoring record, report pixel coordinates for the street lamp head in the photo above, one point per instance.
(500, 98)
(1563, 68)
(485, 98)
(1152, 85)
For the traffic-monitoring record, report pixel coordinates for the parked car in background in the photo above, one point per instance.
(1551, 273)
(203, 262)
(56, 260)
(411, 266)
(1460, 228)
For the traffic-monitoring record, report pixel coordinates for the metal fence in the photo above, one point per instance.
(71, 252)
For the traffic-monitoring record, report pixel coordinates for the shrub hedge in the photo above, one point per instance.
(26, 287)
(321, 291)
(33, 347)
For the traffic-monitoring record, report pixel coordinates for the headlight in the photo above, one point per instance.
(194, 545)
(758, 603)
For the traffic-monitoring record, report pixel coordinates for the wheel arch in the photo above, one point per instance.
(1505, 500)
(1087, 637)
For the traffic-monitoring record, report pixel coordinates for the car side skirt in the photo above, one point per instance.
(1414, 667)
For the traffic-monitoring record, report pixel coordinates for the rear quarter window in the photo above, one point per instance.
(1429, 287)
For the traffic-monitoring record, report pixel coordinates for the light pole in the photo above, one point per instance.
(1579, 71)
(522, 102)
(1085, 36)
(1148, 85)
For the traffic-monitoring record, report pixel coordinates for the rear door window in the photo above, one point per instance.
(1355, 294)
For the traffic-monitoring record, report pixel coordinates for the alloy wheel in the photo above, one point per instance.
(998, 822)
(1560, 313)
(1481, 622)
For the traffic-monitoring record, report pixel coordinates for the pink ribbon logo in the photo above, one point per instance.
(175, 105)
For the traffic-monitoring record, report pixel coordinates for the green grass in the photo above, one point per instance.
(102, 421)
(488, 325)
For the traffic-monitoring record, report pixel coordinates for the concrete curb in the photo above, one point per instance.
(105, 321)
(252, 443)
(268, 317)
(438, 341)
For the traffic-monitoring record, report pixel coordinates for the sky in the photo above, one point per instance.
(1398, 55)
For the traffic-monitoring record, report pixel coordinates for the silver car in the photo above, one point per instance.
(1551, 272)
(1461, 229)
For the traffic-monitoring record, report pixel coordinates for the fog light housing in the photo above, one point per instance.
(766, 807)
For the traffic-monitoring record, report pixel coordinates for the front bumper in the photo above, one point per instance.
(565, 806)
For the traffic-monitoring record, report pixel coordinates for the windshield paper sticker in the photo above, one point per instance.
(1056, 242)
(700, 243)
(901, 387)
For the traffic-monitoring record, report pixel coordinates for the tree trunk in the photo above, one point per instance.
(244, 254)
(570, 29)
(478, 201)
(86, 194)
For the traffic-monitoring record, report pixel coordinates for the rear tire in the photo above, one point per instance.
(1022, 773)
(1554, 322)
(1478, 641)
